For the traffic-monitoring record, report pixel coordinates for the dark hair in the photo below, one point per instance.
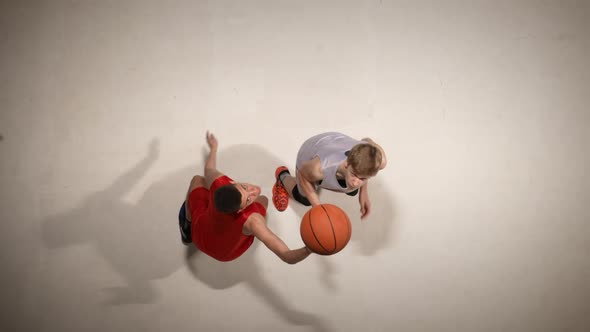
(227, 199)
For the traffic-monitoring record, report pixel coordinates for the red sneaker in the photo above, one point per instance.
(280, 196)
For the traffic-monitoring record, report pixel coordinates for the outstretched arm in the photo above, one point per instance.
(256, 225)
(211, 172)
(129, 179)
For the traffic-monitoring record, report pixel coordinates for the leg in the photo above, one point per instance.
(289, 183)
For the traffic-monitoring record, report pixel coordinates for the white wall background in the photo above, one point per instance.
(479, 223)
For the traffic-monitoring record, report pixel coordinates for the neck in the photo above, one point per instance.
(341, 170)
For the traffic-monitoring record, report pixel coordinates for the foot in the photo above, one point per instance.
(184, 225)
(280, 196)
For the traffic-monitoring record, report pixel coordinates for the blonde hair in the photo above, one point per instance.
(365, 159)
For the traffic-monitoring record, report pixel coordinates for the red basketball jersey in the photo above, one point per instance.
(218, 234)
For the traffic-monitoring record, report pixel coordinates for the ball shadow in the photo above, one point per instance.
(374, 233)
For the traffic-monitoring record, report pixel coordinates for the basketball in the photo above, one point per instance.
(325, 229)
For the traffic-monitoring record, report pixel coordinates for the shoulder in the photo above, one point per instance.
(368, 140)
(223, 179)
(255, 217)
(312, 169)
(220, 180)
(257, 207)
(254, 224)
(212, 175)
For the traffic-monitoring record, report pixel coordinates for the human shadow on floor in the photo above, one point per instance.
(379, 229)
(135, 239)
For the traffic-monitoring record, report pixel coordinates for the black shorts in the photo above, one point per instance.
(303, 200)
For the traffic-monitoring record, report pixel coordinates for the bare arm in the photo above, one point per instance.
(257, 226)
(383, 157)
(211, 172)
(364, 200)
(308, 175)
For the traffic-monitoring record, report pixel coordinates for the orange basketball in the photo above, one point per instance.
(325, 229)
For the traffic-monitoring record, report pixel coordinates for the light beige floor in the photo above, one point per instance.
(480, 223)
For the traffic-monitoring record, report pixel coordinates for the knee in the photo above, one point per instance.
(197, 181)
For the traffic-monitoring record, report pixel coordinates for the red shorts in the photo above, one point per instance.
(198, 202)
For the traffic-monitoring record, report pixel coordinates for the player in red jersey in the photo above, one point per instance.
(222, 217)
